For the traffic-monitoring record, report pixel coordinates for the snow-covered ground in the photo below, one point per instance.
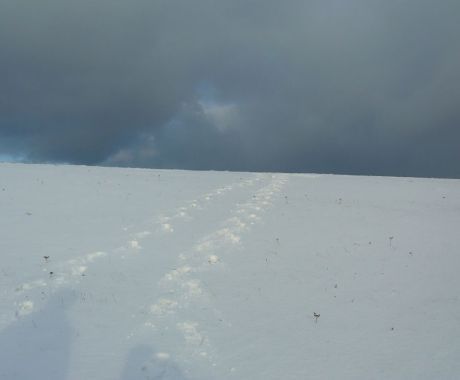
(145, 274)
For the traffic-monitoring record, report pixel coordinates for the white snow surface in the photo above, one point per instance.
(123, 274)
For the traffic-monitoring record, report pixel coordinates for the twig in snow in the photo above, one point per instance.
(316, 316)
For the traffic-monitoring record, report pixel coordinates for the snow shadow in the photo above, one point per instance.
(143, 363)
(37, 345)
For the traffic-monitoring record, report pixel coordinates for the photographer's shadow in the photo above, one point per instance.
(143, 363)
(37, 345)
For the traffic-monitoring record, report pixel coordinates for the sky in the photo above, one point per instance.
(368, 87)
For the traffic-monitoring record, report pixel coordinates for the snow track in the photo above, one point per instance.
(182, 289)
(181, 292)
(58, 274)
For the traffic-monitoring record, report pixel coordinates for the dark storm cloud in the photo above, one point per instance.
(367, 87)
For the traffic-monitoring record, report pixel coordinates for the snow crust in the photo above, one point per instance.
(124, 274)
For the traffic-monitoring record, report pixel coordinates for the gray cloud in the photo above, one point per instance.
(359, 87)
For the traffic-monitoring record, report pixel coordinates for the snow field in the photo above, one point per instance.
(147, 274)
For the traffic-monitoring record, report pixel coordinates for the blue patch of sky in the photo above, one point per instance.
(9, 158)
(207, 93)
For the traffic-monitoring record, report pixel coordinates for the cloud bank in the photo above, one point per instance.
(358, 87)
